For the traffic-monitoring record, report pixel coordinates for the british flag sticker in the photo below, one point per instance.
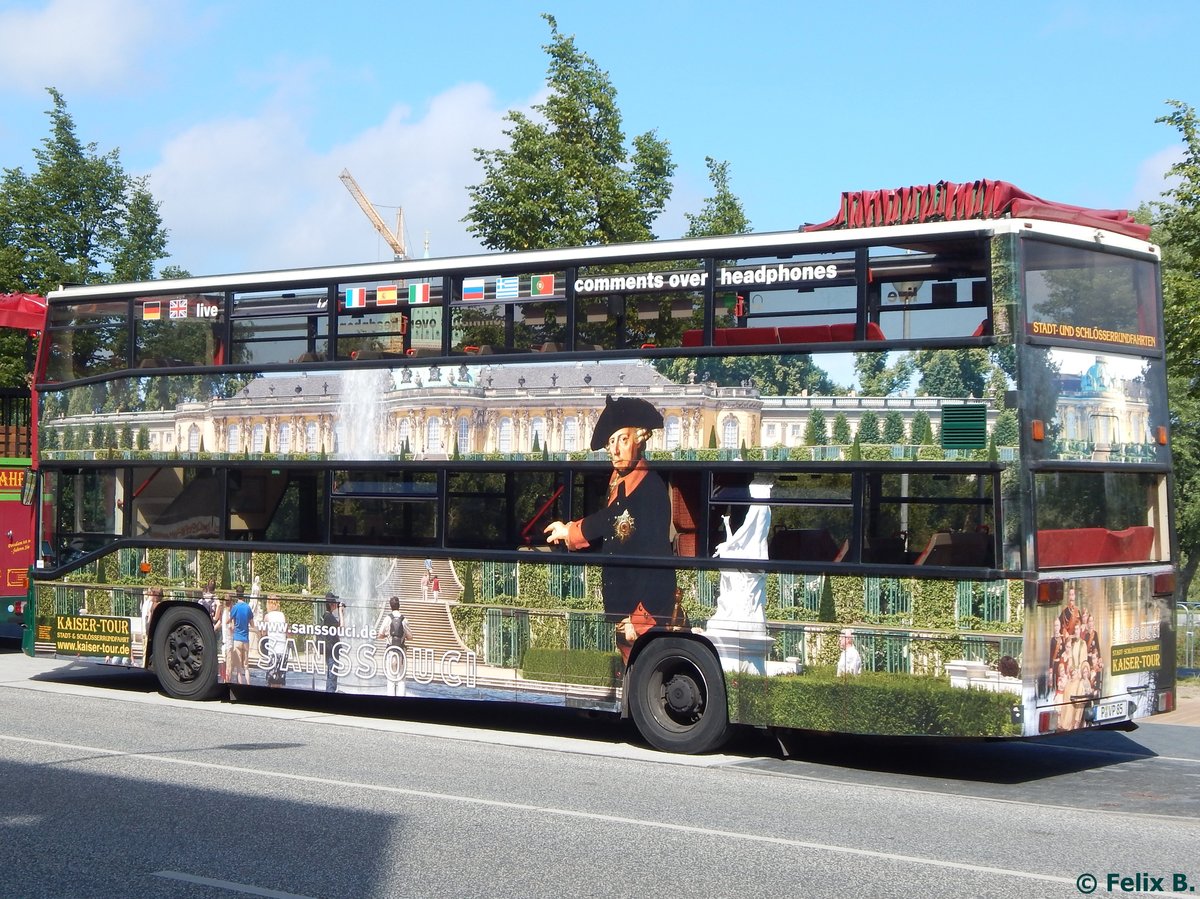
(178, 309)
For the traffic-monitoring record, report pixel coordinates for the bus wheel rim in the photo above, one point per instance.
(185, 652)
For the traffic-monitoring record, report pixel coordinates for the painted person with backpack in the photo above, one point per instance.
(396, 631)
(277, 643)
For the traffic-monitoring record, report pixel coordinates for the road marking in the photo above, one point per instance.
(228, 885)
(551, 810)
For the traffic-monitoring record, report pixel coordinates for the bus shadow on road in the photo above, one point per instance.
(1011, 761)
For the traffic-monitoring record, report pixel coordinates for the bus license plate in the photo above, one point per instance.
(1106, 711)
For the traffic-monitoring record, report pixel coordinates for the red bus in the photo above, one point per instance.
(18, 432)
(667, 480)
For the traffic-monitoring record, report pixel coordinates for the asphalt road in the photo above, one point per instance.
(109, 789)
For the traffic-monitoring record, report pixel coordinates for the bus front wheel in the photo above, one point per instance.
(185, 654)
(677, 697)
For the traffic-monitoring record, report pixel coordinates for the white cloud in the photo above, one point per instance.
(74, 44)
(1152, 177)
(250, 193)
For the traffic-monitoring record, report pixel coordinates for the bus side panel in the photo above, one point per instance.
(16, 551)
(900, 656)
(1103, 654)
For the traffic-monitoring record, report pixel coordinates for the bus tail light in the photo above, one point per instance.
(1044, 726)
(1049, 591)
(19, 607)
(1166, 701)
(1037, 429)
(1164, 584)
(1162, 435)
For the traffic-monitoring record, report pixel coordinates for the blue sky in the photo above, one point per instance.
(244, 113)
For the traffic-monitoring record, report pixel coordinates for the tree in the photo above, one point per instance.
(868, 428)
(788, 375)
(893, 427)
(922, 429)
(959, 373)
(569, 180)
(877, 378)
(722, 213)
(841, 429)
(1007, 430)
(1177, 231)
(815, 433)
(79, 218)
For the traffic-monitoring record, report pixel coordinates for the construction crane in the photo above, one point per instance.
(395, 240)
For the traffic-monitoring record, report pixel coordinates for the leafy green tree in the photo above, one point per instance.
(893, 427)
(816, 434)
(958, 373)
(772, 375)
(1177, 231)
(567, 178)
(877, 378)
(79, 218)
(868, 428)
(922, 429)
(1006, 431)
(841, 429)
(722, 213)
(17, 351)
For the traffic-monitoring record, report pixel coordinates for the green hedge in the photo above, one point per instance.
(579, 666)
(871, 703)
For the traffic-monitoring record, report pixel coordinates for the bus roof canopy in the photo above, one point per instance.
(947, 201)
(22, 310)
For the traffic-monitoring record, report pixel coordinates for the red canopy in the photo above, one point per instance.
(947, 201)
(22, 310)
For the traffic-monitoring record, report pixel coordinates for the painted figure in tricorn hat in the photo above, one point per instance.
(636, 521)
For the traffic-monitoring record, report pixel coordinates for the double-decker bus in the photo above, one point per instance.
(903, 472)
(24, 313)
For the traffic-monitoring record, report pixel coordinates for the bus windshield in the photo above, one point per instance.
(1090, 297)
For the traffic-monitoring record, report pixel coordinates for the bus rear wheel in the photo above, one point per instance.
(185, 654)
(677, 697)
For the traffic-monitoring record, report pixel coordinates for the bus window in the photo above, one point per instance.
(929, 518)
(631, 307)
(177, 502)
(298, 513)
(1100, 518)
(185, 330)
(939, 289)
(520, 313)
(811, 514)
(385, 508)
(88, 339)
(280, 326)
(374, 318)
(86, 506)
(1089, 296)
(801, 298)
(501, 509)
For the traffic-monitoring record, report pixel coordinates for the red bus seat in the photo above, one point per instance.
(1093, 546)
(786, 334)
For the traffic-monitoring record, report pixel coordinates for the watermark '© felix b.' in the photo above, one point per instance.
(1133, 883)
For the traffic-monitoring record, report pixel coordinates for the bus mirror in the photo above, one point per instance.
(28, 487)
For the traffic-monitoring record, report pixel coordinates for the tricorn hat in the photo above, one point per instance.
(624, 412)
